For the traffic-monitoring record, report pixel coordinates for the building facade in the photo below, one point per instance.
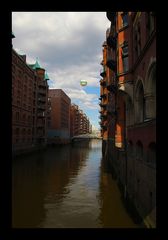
(29, 105)
(79, 122)
(129, 128)
(59, 128)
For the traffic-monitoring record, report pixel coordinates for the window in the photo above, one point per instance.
(137, 39)
(125, 64)
(125, 50)
(125, 58)
(17, 116)
(124, 17)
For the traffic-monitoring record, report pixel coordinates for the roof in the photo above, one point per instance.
(35, 66)
(46, 77)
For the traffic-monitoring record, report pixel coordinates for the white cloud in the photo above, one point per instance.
(68, 45)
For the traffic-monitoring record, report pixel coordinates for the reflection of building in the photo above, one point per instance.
(59, 129)
(128, 105)
(29, 104)
(79, 122)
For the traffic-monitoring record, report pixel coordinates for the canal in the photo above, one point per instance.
(66, 187)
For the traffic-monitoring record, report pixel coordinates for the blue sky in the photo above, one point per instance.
(69, 46)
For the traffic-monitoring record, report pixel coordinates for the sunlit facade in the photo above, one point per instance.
(129, 86)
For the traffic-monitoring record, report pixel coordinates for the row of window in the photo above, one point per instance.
(22, 140)
(23, 131)
(18, 116)
(150, 25)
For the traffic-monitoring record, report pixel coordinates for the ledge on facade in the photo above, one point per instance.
(145, 123)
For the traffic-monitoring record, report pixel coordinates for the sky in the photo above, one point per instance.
(68, 45)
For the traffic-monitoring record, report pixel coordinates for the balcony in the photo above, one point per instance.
(42, 91)
(103, 105)
(103, 116)
(112, 42)
(41, 106)
(104, 127)
(103, 95)
(103, 73)
(111, 16)
(42, 84)
(42, 99)
(40, 114)
(112, 87)
(111, 64)
(40, 125)
(102, 83)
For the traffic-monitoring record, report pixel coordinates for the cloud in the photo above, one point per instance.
(68, 45)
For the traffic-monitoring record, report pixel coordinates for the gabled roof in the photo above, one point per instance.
(35, 66)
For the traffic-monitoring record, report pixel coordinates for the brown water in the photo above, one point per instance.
(66, 187)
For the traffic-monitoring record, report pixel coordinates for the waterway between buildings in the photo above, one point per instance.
(66, 187)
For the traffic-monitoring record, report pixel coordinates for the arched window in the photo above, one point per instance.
(139, 150)
(151, 154)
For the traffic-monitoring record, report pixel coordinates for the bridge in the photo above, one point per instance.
(85, 136)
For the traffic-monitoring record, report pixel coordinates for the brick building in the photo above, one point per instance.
(59, 128)
(23, 80)
(79, 122)
(129, 87)
(29, 105)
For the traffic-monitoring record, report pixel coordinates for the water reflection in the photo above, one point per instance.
(112, 211)
(66, 187)
(40, 179)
